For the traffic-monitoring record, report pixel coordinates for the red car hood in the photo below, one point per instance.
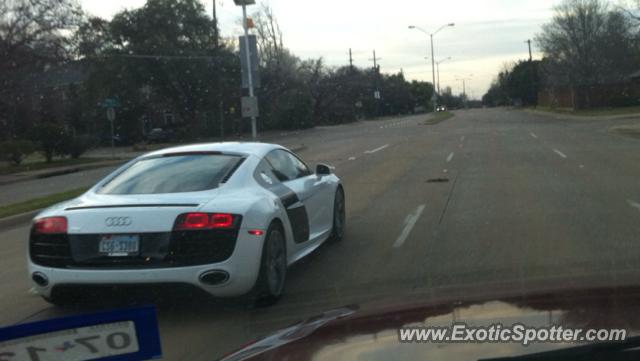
(370, 332)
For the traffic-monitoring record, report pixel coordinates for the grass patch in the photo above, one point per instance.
(593, 112)
(25, 167)
(39, 203)
(438, 117)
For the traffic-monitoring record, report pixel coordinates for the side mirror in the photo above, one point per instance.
(323, 169)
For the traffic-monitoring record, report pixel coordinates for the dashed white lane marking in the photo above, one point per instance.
(634, 204)
(352, 158)
(581, 166)
(560, 153)
(450, 157)
(32, 291)
(409, 223)
(533, 135)
(462, 138)
(376, 150)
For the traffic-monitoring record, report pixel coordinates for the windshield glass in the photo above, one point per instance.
(172, 174)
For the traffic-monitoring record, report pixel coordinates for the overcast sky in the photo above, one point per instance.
(487, 34)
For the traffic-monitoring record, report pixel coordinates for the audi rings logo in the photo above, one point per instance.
(118, 221)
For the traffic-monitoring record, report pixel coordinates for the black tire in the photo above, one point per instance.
(339, 217)
(273, 269)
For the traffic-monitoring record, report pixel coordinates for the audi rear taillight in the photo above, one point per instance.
(50, 225)
(198, 221)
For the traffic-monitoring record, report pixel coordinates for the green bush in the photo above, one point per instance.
(51, 139)
(15, 150)
(76, 146)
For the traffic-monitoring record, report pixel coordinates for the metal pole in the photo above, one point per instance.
(254, 131)
(433, 71)
(113, 143)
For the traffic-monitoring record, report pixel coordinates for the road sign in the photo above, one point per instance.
(111, 114)
(376, 94)
(255, 73)
(250, 107)
(111, 103)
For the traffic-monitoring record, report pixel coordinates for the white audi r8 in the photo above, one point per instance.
(228, 218)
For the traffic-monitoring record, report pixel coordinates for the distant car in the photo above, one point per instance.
(441, 108)
(159, 135)
(228, 218)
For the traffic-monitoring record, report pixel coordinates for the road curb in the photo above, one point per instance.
(18, 219)
(299, 148)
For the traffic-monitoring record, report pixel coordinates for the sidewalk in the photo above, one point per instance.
(122, 154)
(583, 117)
(7, 179)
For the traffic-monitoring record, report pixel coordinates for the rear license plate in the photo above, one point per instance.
(119, 245)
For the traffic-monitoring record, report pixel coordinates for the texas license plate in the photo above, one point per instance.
(77, 344)
(119, 245)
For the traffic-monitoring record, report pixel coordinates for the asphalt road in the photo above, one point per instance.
(487, 198)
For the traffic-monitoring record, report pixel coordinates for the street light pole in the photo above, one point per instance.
(433, 65)
(433, 72)
(254, 130)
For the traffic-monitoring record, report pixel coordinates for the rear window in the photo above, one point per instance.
(173, 174)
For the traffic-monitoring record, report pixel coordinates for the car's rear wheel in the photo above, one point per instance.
(273, 268)
(339, 216)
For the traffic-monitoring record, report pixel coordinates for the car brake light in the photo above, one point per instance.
(221, 220)
(256, 232)
(50, 225)
(195, 221)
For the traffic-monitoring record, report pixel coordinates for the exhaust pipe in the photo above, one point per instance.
(40, 279)
(215, 277)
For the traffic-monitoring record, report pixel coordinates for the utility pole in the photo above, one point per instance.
(375, 61)
(376, 73)
(350, 60)
(464, 88)
(530, 56)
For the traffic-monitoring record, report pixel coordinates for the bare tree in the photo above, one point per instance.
(588, 43)
(269, 36)
(36, 24)
(33, 35)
